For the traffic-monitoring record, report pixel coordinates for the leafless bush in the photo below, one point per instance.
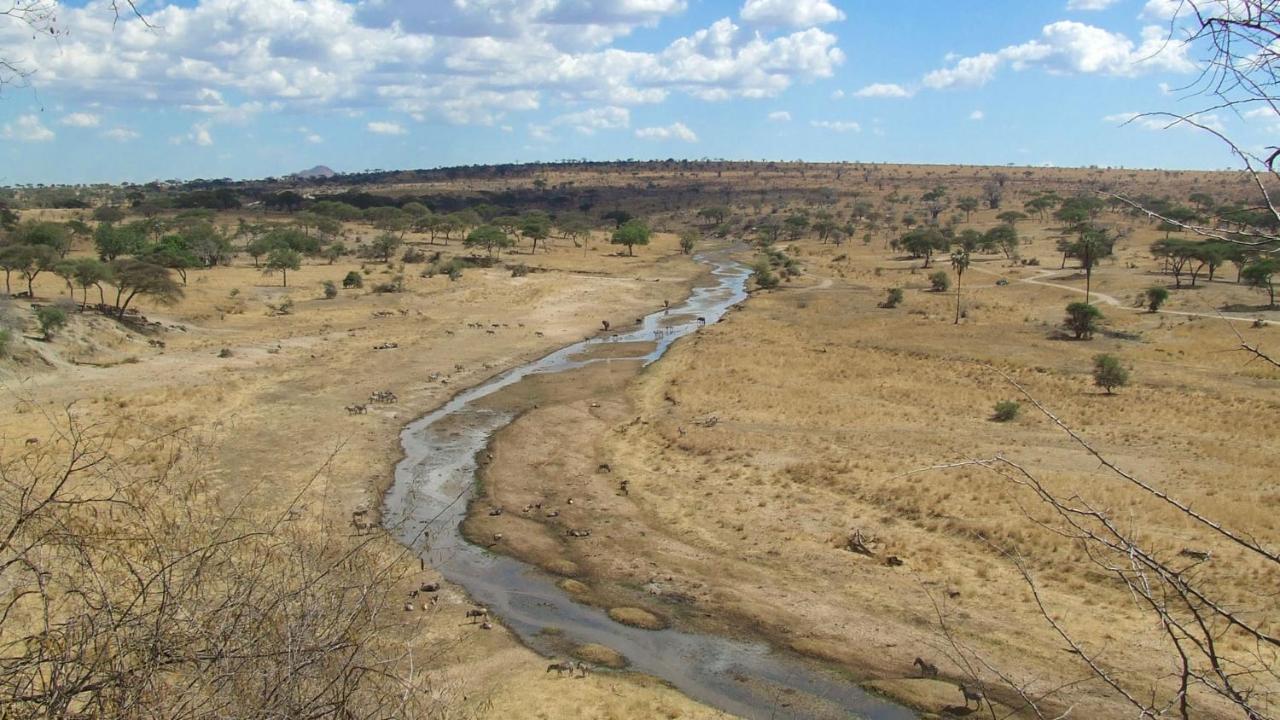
(128, 591)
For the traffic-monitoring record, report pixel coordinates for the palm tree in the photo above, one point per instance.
(959, 263)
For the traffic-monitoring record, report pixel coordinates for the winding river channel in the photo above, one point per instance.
(428, 501)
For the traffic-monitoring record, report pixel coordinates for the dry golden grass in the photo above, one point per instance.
(272, 410)
(825, 404)
(824, 401)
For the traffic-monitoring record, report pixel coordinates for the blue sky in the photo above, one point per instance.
(250, 88)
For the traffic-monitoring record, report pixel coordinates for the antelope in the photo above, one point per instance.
(927, 669)
(361, 526)
(561, 667)
(603, 467)
(605, 325)
(974, 695)
(33, 441)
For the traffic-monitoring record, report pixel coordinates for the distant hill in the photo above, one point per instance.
(319, 171)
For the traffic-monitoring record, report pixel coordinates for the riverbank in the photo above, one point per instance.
(265, 395)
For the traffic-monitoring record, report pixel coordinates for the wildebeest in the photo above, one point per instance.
(477, 614)
(561, 667)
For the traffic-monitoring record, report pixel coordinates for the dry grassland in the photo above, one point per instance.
(828, 411)
(270, 414)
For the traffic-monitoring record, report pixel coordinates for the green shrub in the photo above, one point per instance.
(1156, 296)
(414, 255)
(894, 299)
(940, 281)
(353, 280)
(1082, 319)
(51, 320)
(763, 274)
(1108, 373)
(1006, 411)
(6, 337)
(330, 290)
(519, 270)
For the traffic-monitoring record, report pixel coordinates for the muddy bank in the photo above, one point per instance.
(563, 512)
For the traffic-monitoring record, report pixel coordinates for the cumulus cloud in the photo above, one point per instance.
(381, 127)
(674, 131)
(1071, 47)
(472, 62)
(80, 119)
(588, 122)
(790, 13)
(1163, 10)
(780, 116)
(837, 125)
(883, 90)
(27, 128)
(121, 134)
(977, 115)
(1090, 4)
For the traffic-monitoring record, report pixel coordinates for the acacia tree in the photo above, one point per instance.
(91, 272)
(633, 232)
(536, 227)
(132, 278)
(490, 238)
(1261, 275)
(282, 260)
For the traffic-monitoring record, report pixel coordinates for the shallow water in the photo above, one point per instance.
(434, 482)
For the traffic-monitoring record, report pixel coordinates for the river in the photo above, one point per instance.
(428, 501)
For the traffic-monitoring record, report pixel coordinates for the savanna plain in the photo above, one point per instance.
(921, 454)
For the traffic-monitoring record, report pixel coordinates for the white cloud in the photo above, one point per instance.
(589, 121)
(467, 62)
(1090, 4)
(540, 133)
(837, 94)
(780, 116)
(977, 115)
(790, 13)
(883, 90)
(80, 119)
(1071, 47)
(1163, 10)
(121, 134)
(674, 131)
(27, 128)
(967, 72)
(837, 125)
(380, 127)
